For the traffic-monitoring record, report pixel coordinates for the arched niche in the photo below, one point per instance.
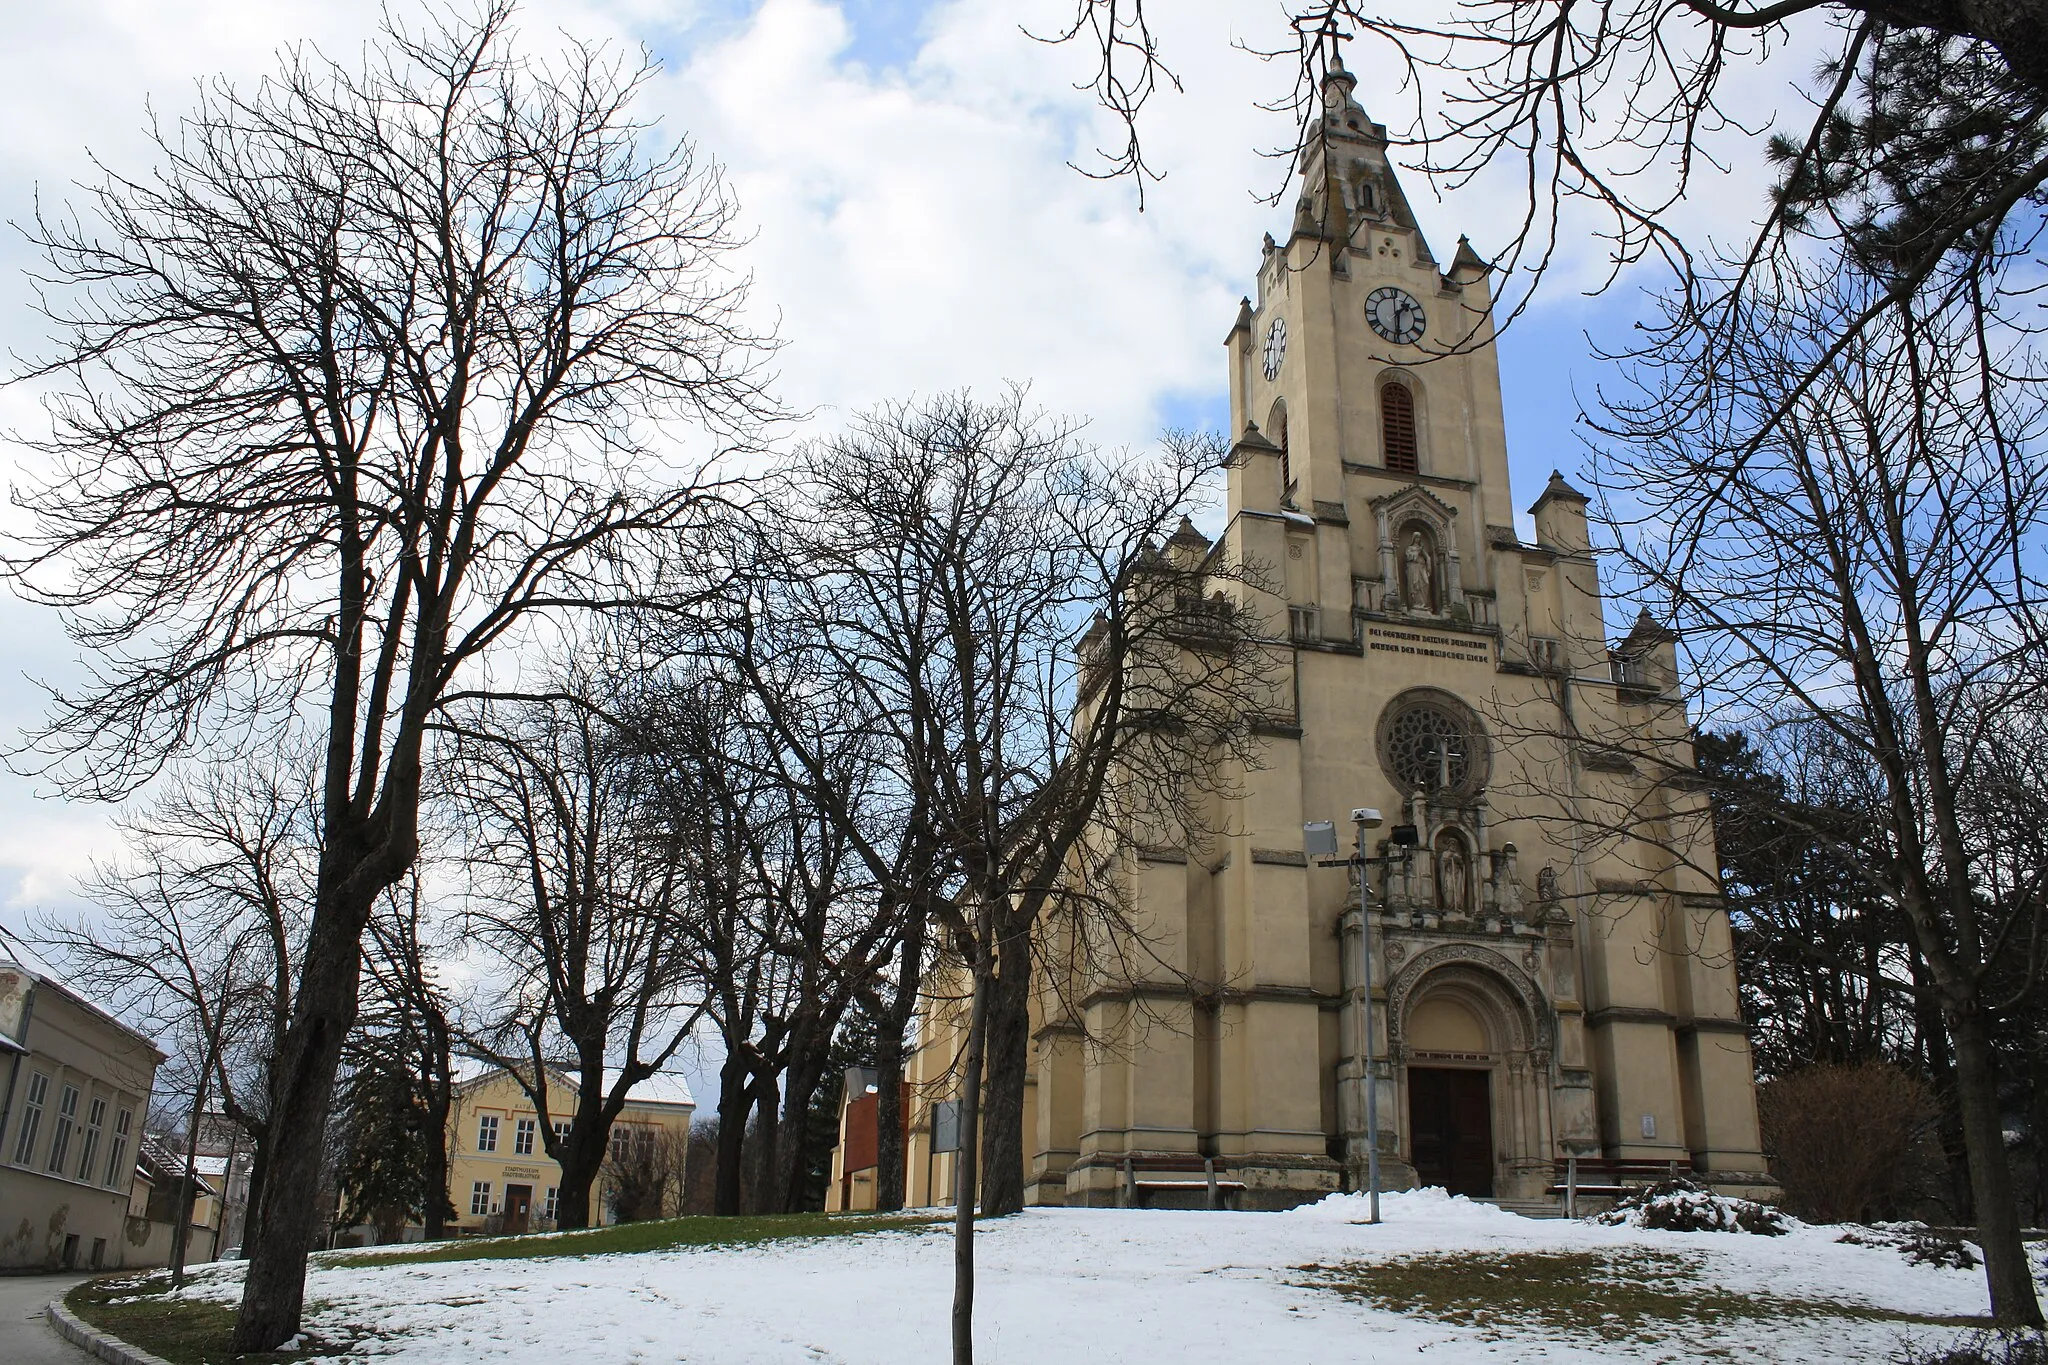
(1420, 572)
(1456, 891)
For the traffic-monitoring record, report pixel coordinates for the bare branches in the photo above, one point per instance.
(363, 382)
(1845, 525)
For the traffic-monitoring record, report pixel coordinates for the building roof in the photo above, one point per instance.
(159, 1163)
(14, 952)
(662, 1088)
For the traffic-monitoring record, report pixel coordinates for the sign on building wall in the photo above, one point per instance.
(946, 1126)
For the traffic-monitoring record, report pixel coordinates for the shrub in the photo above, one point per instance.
(1683, 1205)
(1984, 1348)
(1921, 1246)
(1844, 1139)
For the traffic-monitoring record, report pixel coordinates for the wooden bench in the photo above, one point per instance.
(1148, 1175)
(1610, 1177)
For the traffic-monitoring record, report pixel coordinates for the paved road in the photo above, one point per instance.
(25, 1339)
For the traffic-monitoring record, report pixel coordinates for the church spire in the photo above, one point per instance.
(1346, 178)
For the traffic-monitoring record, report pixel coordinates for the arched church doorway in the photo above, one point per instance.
(1450, 1092)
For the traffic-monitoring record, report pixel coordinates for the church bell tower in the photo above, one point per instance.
(1551, 974)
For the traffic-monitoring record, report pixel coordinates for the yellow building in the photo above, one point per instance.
(75, 1086)
(1551, 974)
(500, 1178)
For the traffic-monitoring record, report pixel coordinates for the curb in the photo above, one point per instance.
(93, 1341)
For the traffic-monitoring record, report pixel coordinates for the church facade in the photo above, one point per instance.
(1550, 962)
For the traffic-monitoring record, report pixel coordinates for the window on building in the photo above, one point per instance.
(31, 1117)
(1397, 426)
(95, 1123)
(487, 1133)
(561, 1130)
(60, 1135)
(522, 1137)
(117, 1154)
(479, 1198)
(547, 1205)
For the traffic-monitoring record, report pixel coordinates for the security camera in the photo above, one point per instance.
(1365, 815)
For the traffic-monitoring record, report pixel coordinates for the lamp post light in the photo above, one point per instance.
(1320, 837)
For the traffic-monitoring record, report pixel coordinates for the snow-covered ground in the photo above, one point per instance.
(1123, 1286)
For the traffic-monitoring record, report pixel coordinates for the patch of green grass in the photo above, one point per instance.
(182, 1331)
(660, 1235)
(1642, 1297)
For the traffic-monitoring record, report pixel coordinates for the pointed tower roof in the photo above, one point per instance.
(1244, 317)
(1558, 488)
(1254, 439)
(1346, 178)
(1647, 633)
(1468, 259)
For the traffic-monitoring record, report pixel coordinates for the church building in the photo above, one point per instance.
(1551, 973)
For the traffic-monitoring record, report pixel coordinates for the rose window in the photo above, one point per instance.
(1430, 742)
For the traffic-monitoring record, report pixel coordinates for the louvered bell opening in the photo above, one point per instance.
(1397, 420)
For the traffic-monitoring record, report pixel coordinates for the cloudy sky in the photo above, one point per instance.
(903, 165)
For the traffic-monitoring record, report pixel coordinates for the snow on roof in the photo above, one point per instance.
(664, 1087)
(13, 950)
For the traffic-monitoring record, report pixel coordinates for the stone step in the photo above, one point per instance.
(1529, 1208)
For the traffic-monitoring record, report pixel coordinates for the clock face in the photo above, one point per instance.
(1276, 347)
(1395, 315)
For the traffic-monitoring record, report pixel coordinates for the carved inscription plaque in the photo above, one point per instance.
(1428, 645)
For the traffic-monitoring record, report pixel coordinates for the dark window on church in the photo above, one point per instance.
(1397, 426)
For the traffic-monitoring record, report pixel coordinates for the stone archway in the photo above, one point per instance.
(1456, 1012)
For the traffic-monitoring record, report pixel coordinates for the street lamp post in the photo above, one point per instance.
(1321, 837)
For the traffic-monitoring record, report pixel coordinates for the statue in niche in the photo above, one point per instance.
(1452, 885)
(1418, 574)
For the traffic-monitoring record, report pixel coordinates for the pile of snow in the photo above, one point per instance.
(1431, 1204)
(1683, 1205)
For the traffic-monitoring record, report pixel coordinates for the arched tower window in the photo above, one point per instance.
(1276, 432)
(1397, 426)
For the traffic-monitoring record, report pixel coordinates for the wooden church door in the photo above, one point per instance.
(1450, 1122)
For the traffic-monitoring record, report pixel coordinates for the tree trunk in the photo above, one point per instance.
(2013, 1303)
(434, 1218)
(765, 1196)
(302, 1091)
(581, 1160)
(1009, 1063)
(799, 1086)
(252, 1201)
(965, 1171)
(188, 1191)
(734, 1100)
(895, 1022)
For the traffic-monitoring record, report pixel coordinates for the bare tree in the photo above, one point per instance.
(582, 895)
(356, 384)
(1847, 540)
(1046, 669)
(644, 1175)
(414, 1014)
(199, 929)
